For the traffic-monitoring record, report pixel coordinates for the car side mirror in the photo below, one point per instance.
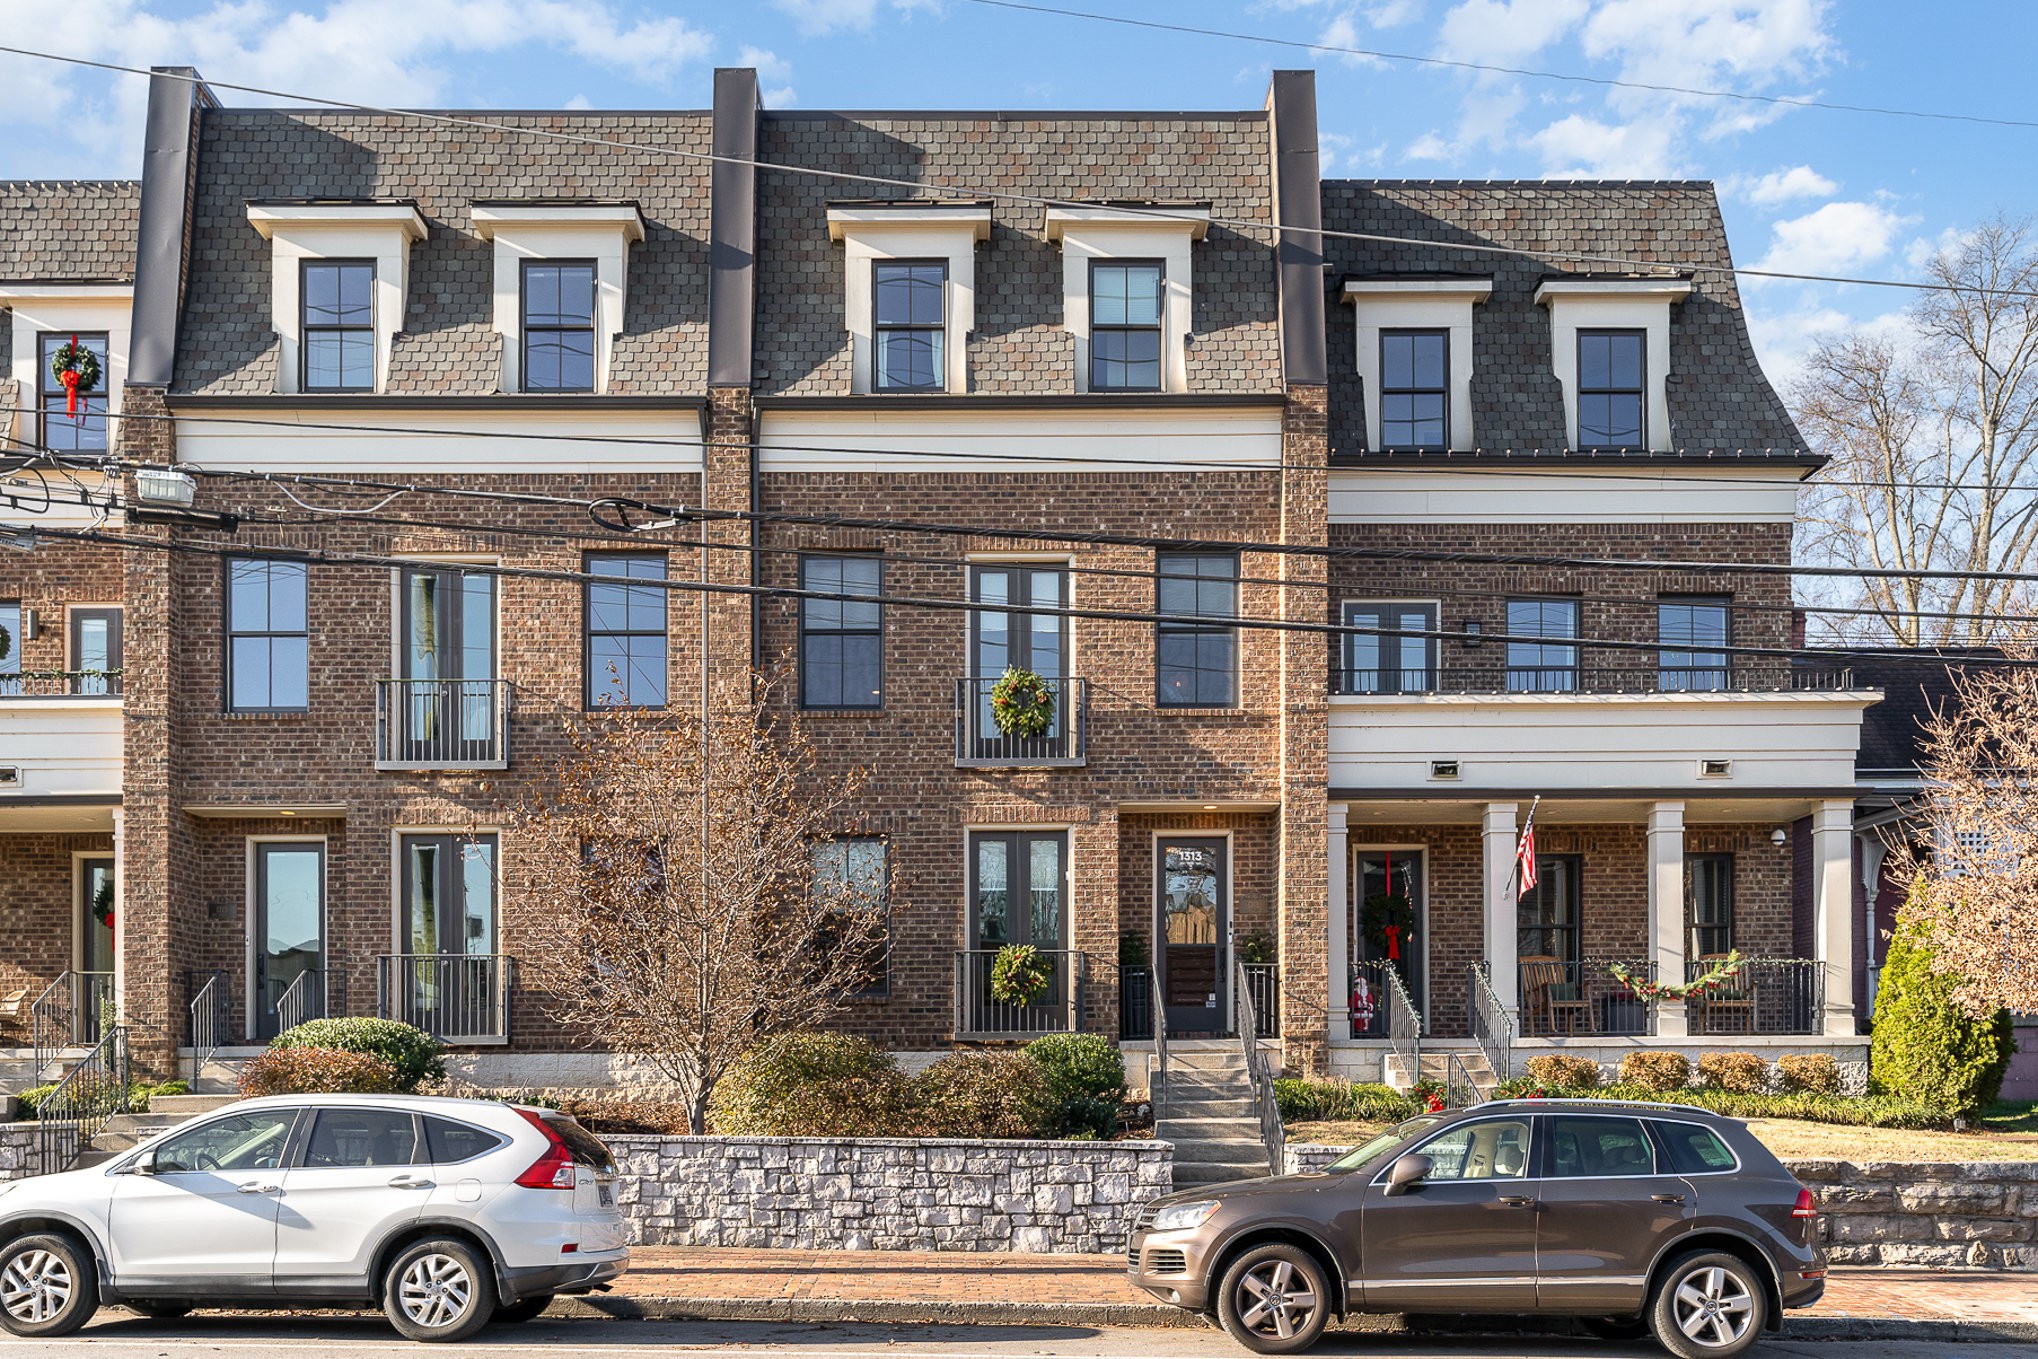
(144, 1164)
(1405, 1173)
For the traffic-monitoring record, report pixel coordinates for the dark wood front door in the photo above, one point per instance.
(1192, 929)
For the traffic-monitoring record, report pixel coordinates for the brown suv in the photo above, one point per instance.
(1632, 1217)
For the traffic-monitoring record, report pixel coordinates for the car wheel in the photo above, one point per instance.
(439, 1289)
(47, 1286)
(1709, 1306)
(1616, 1328)
(526, 1309)
(158, 1309)
(1274, 1300)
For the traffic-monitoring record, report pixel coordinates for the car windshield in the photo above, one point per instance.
(1399, 1135)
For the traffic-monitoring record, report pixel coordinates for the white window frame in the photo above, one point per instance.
(378, 232)
(1104, 234)
(869, 232)
(538, 233)
(62, 309)
(1418, 304)
(1614, 304)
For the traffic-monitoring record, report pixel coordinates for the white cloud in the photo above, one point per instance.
(1836, 238)
(819, 17)
(771, 66)
(1578, 147)
(1502, 32)
(1781, 186)
(1785, 333)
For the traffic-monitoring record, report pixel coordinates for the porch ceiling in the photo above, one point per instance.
(29, 816)
(1468, 810)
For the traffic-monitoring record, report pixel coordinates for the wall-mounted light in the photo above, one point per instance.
(1778, 836)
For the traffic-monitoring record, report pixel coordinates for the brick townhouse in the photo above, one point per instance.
(975, 332)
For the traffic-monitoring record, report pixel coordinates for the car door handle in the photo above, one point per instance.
(1517, 1201)
(409, 1182)
(1667, 1198)
(254, 1187)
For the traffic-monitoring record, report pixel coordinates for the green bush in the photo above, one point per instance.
(984, 1094)
(1085, 1078)
(410, 1052)
(1926, 1047)
(31, 1099)
(1816, 1073)
(1656, 1071)
(1739, 1073)
(1870, 1111)
(1559, 1071)
(812, 1085)
(318, 1071)
(1303, 1101)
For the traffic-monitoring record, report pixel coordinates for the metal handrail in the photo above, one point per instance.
(1264, 1100)
(50, 1023)
(1491, 1027)
(980, 1014)
(61, 684)
(309, 996)
(1765, 996)
(211, 1017)
(1404, 1024)
(1157, 1082)
(90, 1093)
(1586, 679)
(1460, 1091)
(459, 997)
(1264, 981)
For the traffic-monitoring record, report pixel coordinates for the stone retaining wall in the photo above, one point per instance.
(17, 1150)
(1964, 1214)
(887, 1194)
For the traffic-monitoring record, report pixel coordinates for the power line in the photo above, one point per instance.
(1273, 229)
(1491, 68)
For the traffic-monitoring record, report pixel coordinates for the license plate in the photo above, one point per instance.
(605, 1195)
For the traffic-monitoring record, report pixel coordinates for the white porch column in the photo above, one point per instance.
(1666, 911)
(119, 915)
(1337, 938)
(1833, 911)
(1499, 836)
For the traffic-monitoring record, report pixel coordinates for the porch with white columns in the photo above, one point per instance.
(1666, 912)
(1499, 837)
(1833, 911)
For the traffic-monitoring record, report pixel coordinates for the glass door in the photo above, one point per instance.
(452, 980)
(1018, 895)
(93, 993)
(1007, 634)
(95, 651)
(1386, 933)
(1193, 928)
(289, 931)
(447, 662)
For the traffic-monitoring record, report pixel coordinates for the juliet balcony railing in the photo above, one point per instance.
(60, 684)
(981, 1015)
(442, 724)
(457, 997)
(1585, 678)
(980, 743)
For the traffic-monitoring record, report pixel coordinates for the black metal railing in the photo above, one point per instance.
(1262, 982)
(211, 1020)
(61, 684)
(1563, 998)
(1135, 1003)
(1260, 1071)
(1585, 679)
(1157, 1085)
(1404, 1023)
(442, 723)
(91, 1092)
(315, 993)
(1368, 1011)
(979, 741)
(1491, 1028)
(1765, 995)
(981, 1014)
(457, 997)
(1460, 1090)
(72, 1011)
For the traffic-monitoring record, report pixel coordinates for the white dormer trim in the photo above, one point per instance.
(62, 309)
(1091, 234)
(1614, 304)
(1417, 304)
(909, 231)
(520, 232)
(382, 232)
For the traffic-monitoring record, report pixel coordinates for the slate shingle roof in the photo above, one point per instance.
(1719, 400)
(75, 230)
(1915, 682)
(1020, 346)
(448, 345)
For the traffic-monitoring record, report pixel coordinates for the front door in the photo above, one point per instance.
(1007, 634)
(95, 651)
(447, 664)
(1387, 928)
(1018, 895)
(207, 1215)
(94, 989)
(1463, 1239)
(289, 930)
(1194, 930)
(451, 980)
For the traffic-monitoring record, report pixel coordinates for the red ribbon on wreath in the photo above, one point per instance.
(1393, 943)
(70, 378)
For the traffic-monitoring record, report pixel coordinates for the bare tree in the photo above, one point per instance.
(687, 919)
(1933, 445)
(1975, 869)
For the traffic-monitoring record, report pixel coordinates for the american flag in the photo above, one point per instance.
(1525, 854)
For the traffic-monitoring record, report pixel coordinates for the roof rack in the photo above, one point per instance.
(1609, 1103)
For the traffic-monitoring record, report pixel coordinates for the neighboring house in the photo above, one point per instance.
(320, 759)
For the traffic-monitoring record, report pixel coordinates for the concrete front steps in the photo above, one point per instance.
(126, 1131)
(1435, 1063)
(1205, 1107)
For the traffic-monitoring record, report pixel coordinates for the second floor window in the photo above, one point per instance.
(1709, 904)
(1414, 388)
(910, 319)
(1693, 634)
(69, 427)
(1541, 662)
(1383, 658)
(1125, 327)
(1610, 389)
(626, 631)
(558, 327)
(339, 326)
(1197, 661)
(268, 641)
(841, 640)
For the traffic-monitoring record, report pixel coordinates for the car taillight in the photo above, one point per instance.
(1806, 1206)
(553, 1170)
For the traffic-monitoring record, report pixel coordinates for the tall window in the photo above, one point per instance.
(559, 327)
(268, 642)
(909, 299)
(1197, 662)
(10, 647)
(841, 640)
(849, 875)
(339, 325)
(1709, 904)
(1610, 389)
(1414, 388)
(1382, 658)
(63, 430)
(1540, 665)
(1693, 633)
(1547, 917)
(1125, 327)
(626, 631)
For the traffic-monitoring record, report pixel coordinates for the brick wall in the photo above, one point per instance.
(38, 911)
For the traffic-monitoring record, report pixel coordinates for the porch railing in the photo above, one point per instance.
(211, 1020)
(458, 997)
(1460, 1091)
(61, 684)
(1272, 1136)
(980, 742)
(1586, 679)
(1369, 1011)
(1767, 995)
(1262, 983)
(442, 724)
(1135, 1003)
(72, 1011)
(1563, 998)
(1491, 1028)
(315, 993)
(1404, 1024)
(980, 1014)
(91, 1092)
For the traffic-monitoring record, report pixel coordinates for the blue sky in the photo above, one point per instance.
(1804, 189)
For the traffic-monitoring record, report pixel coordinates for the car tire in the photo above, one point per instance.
(158, 1309)
(1616, 1328)
(49, 1285)
(524, 1309)
(1709, 1305)
(438, 1289)
(1274, 1299)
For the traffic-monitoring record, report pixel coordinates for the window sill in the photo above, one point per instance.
(1201, 709)
(260, 715)
(832, 713)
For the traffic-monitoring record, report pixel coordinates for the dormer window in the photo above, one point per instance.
(1125, 291)
(68, 426)
(558, 326)
(1414, 352)
(910, 325)
(909, 291)
(1610, 389)
(1415, 391)
(338, 325)
(1125, 326)
(339, 278)
(1610, 345)
(561, 275)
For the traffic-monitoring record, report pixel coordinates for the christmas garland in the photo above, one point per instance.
(1019, 975)
(1712, 979)
(1022, 704)
(77, 368)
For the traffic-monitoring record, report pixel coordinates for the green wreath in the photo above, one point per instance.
(1022, 704)
(75, 358)
(1383, 911)
(1019, 975)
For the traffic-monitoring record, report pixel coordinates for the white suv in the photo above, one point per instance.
(448, 1213)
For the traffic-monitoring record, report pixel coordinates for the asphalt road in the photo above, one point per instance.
(118, 1335)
